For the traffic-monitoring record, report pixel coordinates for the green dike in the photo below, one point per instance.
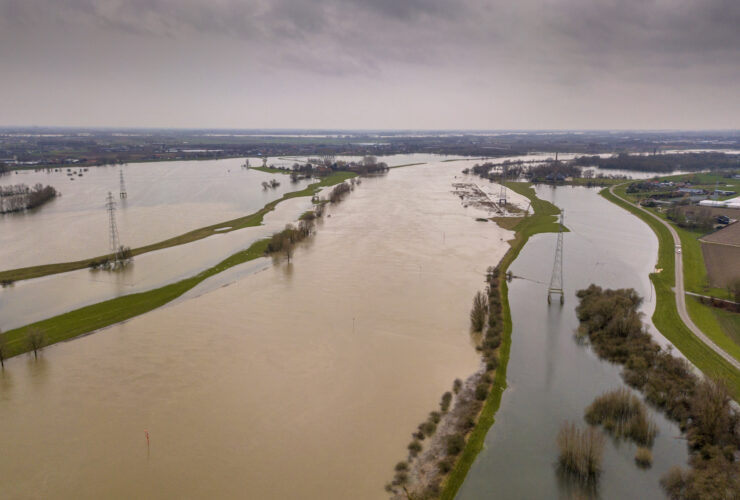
(270, 170)
(666, 318)
(254, 219)
(90, 318)
(544, 220)
(96, 316)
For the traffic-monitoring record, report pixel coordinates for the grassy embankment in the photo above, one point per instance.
(90, 318)
(543, 220)
(254, 219)
(666, 318)
(706, 317)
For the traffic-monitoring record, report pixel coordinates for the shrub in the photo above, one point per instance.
(444, 404)
(414, 447)
(445, 465)
(623, 415)
(428, 428)
(456, 385)
(481, 392)
(580, 451)
(455, 444)
(492, 362)
(643, 457)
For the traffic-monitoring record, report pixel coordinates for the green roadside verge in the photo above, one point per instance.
(666, 318)
(543, 220)
(695, 278)
(254, 219)
(90, 318)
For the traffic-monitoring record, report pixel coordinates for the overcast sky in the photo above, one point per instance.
(422, 64)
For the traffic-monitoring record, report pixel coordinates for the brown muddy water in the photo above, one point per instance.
(165, 199)
(304, 380)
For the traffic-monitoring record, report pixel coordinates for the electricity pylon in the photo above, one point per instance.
(556, 281)
(110, 205)
(122, 193)
(502, 191)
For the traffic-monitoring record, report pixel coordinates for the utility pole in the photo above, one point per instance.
(122, 193)
(110, 205)
(556, 281)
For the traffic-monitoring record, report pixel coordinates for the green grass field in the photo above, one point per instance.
(544, 220)
(254, 219)
(666, 318)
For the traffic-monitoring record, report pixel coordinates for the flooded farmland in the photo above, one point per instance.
(302, 380)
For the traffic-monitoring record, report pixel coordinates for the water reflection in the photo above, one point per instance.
(552, 377)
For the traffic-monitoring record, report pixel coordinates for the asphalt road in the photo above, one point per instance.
(680, 292)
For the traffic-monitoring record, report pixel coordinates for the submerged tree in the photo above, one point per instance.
(36, 340)
(2, 349)
(479, 311)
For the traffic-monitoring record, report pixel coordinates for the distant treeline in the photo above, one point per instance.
(4, 169)
(327, 165)
(19, 197)
(662, 162)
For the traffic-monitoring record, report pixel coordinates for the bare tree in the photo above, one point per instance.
(3, 349)
(479, 312)
(36, 340)
(288, 248)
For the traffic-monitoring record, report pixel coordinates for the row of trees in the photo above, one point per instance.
(285, 241)
(19, 197)
(661, 163)
(460, 419)
(691, 217)
(326, 165)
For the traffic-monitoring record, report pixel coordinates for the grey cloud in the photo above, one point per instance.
(552, 45)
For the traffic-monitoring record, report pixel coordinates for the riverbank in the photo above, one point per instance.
(94, 317)
(543, 220)
(250, 220)
(425, 470)
(666, 318)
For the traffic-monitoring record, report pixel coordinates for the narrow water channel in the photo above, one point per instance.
(551, 377)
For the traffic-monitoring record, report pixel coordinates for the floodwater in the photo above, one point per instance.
(28, 301)
(552, 378)
(304, 380)
(165, 199)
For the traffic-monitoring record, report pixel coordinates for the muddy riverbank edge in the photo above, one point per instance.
(543, 220)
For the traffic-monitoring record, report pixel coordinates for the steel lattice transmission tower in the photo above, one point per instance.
(122, 193)
(110, 205)
(556, 281)
(502, 191)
